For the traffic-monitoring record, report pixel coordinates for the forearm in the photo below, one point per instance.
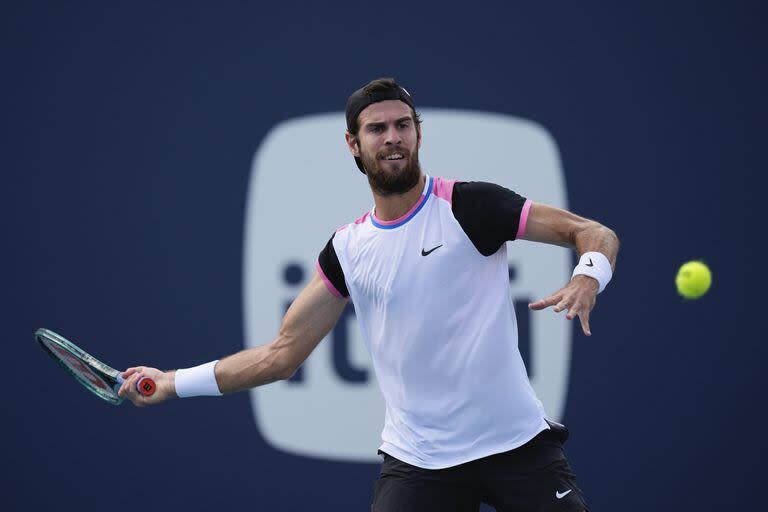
(309, 319)
(251, 368)
(560, 227)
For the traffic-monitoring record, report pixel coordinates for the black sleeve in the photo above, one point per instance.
(330, 266)
(489, 214)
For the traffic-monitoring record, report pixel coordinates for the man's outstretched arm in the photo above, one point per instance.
(309, 319)
(559, 227)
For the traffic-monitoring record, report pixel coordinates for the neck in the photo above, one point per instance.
(395, 206)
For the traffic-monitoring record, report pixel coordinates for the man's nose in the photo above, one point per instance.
(393, 136)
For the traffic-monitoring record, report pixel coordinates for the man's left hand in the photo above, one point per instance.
(577, 297)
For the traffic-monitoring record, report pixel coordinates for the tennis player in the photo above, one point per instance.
(428, 274)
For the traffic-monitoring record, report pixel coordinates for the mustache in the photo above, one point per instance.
(381, 154)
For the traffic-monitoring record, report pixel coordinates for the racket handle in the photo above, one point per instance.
(144, 386)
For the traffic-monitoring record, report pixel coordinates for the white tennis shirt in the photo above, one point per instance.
(438, 320)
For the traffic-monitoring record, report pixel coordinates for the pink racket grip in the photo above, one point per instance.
(144, 386)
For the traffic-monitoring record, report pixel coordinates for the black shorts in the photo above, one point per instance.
(533, 477)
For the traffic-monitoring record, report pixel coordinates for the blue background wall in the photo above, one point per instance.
(127, 138)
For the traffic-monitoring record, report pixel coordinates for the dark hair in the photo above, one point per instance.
(374, 91)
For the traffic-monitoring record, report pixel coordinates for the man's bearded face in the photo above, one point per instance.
(393, 170)
(389, 147)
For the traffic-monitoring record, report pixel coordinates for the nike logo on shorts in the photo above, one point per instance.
(561, 495)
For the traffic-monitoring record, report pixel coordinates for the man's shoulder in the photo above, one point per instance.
(344, 231)
(442, 188)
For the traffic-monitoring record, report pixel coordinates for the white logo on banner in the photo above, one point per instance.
(304, 184)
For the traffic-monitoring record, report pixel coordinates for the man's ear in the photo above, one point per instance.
(353, 144)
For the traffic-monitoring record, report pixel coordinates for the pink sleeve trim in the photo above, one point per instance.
(327, 282)
(444, 189)
(523, 219)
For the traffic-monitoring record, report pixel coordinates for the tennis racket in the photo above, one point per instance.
(97, 377)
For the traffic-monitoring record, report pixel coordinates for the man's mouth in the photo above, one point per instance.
(393, 156)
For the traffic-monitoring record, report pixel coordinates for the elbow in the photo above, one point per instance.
(286, 372)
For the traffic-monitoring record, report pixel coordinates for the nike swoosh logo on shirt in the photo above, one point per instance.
(427, 253)
(561, 495)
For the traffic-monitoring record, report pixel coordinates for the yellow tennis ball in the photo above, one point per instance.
(693, 279)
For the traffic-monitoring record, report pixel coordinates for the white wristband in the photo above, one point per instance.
(197, 381)
(596, 265)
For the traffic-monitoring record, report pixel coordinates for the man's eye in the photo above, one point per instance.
(375, 129)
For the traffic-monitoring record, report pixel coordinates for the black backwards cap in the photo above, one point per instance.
(361, 99)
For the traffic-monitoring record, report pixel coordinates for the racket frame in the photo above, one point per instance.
(108, 380)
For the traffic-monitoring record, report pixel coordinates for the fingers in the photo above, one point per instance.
(584, 317)
(570, 299)
(576, 310)
(128, 389)
(546, 302)
(130, 371)
(562, 306)
(123, 391)
(130, 386)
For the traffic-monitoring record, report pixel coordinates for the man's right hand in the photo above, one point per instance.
(163, 380)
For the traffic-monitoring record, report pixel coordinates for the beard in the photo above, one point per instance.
(399, 178)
